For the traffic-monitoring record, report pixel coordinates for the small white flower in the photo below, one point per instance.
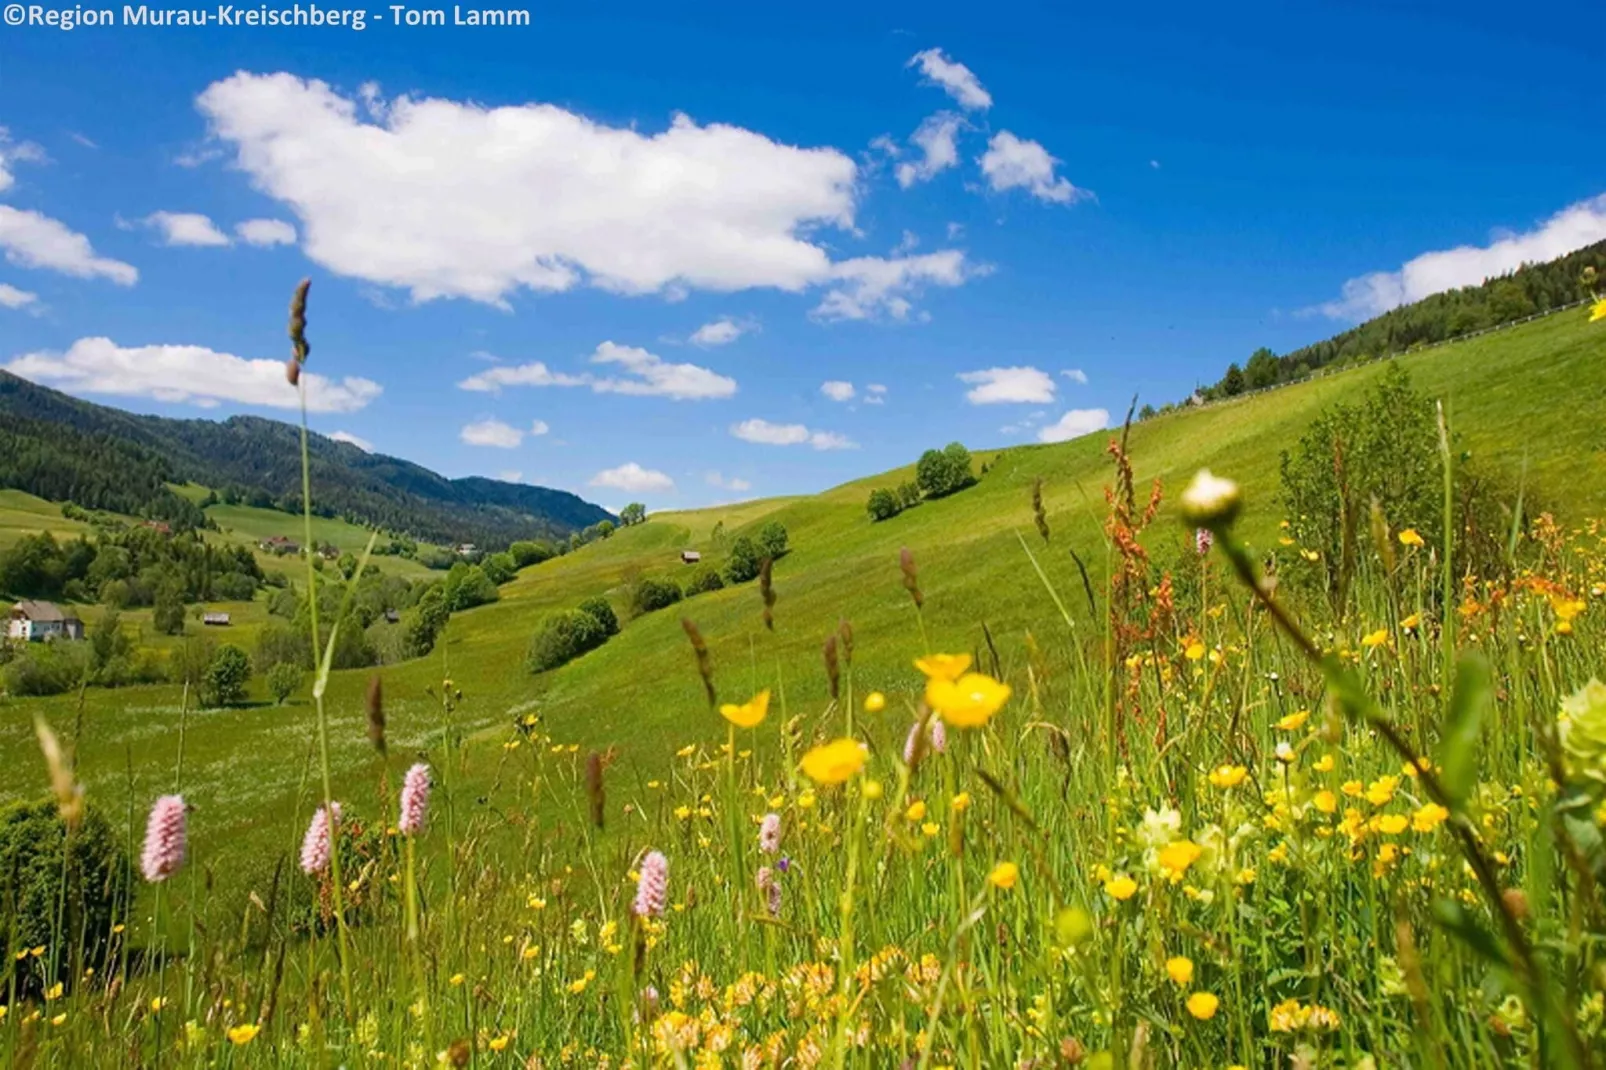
(1210, 501)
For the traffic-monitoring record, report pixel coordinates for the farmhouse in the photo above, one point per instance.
(690, 557)
(279, 544)
(35, 622)
(215, 620)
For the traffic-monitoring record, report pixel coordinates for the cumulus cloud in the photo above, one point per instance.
(1011, 162)
(869, 286)
(353, 440)
(1572, 228)
(718, 333)
(193, 374)
(993, 386)
(875, 394)
(539, 428)
(955, 78)
(186, 228)
(837, 390)
(633, 479)
(12, 152)
(732, 483)
(1073, 424)
(32, 240)
(491, 432)
(1075, 375)
(938, 140)
(266, 232)
(11, 297)
(770, 434)
(644, 374)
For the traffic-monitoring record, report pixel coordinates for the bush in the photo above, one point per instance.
(500, 568)
(704, 579)
(650, 594)
(283, 679)
(45, 669)
(563, 637)
(883, 504)
(909, 494)
(32, 868)
(772, 541)
(227, 676)
(526, 554)
(743, 562)
(468, 586)
(599, 609)
(941, 472)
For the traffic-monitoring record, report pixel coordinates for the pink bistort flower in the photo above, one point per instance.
(316, 848)
(414, 800)
(164, 839)
(769, 834)
(652, 889)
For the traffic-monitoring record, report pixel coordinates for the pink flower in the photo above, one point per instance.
(164, 839)
(414, 800)
(769, 834)
(936, 738)
(1202, 541)
(939, 736)
(315, 848)
(652, 889)
(771, 887)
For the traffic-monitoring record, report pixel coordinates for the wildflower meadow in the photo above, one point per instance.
(1240, 806)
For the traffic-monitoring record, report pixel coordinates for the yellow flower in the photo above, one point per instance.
(916, 811)
(943, 666)
(872, 789)
(244, 1034)
(750, 713)
(157, 1003)
(968, 702)
(1228, 776)
(53, 992)
(930, 828)
(875, 702)
(1004, 875)
(1381, 790)
(1120, 887)
(1202, 1005)
(1430, 817)
(1324, 764)
(1176, 857)
(960, 802)
(833, 763)
(499, 1043)
(456, 979)
(1293, 720)
(1597, 311)
(1195, 651)
(1392, 824)
(1326, 802)
(1375, 639)
(1410, 537)
(1353, 787)
(1180, 969)
(59, 1019)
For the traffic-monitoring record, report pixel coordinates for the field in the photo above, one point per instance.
(1192, 854)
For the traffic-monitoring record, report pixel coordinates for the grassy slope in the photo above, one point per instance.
(1515, 393)
(23, 514)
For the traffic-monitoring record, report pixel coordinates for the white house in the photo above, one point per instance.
(690, 557)
(35, 622)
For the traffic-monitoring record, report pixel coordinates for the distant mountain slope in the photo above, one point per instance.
(60, 447)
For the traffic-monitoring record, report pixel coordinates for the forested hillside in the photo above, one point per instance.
(61, 448)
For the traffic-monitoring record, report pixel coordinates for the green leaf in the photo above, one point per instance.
(1458, 745)
(1461, 924)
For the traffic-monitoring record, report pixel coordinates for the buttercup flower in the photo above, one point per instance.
(833, 763)
(943, 666)
(1180, 969)
(1228, 776)
(1202, 1005)
(968, 702)
(875, 702)
(1004, 875)
(1175, 858)
(1120, 887)
(1410, 537)
(1597, 311)
(750, 713)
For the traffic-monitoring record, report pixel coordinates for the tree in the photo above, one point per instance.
(283, 679)
(423, 623)
(634, 513)
(1233, 383)
(168, 616)
(704, 579)
(227, 676)
(499, 568)
(883, 504)
(649, 594)
(527, 553)
(743, 562)
(563, 637)
(601, 611)
(1263, 370)
(468, 586)
(772, 541)
(942, 472)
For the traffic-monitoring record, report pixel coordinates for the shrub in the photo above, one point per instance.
(941, 472)
(227, 676)
(650, 594)
(743, 562)
(564, 636)
(468, 586)
(772, 541)
(32, 868)
(283, 679)
(704, 579)
(909, 494)
(500, 568)
(883, 504)
(526, 554)
(599, 609)
(46, 669)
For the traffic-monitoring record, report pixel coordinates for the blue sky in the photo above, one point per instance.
(875, 228)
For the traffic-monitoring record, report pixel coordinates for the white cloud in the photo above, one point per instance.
(633, 479)
(492, 432)
(769, 434)
(354, 440)
(647, 375)
(510, 475)
(875, 394)
(720, 332)
(194, 374)
(1075, 375)
(1572, 228)
(1075, 423)
(539, 428)
(869, 286)
(733, 483)
(266, 232)
(1017, 163)
(955, 78)
(32, 240)
(15, 152)
(11, 297)
(992, 386)
(937, 138)
(837, 390)
(186, 228)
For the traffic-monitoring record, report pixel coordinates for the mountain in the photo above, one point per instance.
(66, 449)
